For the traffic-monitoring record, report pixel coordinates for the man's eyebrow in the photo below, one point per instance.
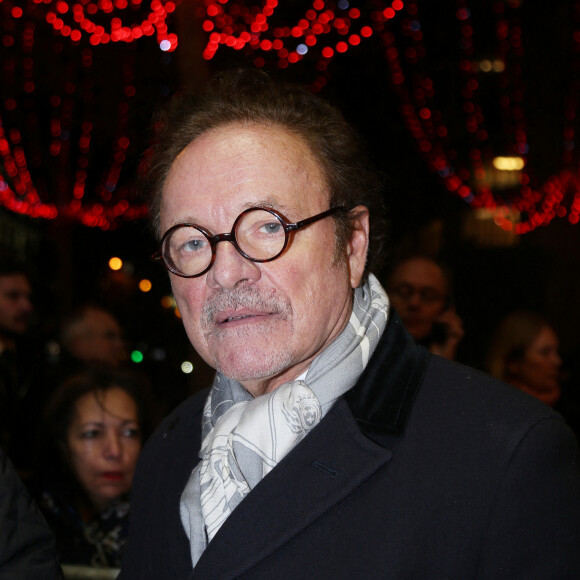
(188, 220)
(270, 202)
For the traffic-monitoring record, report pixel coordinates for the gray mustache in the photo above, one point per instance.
(241, 298)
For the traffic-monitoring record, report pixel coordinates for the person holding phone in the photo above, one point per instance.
(420, 291)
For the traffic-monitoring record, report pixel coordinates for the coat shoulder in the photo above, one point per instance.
(460, 390)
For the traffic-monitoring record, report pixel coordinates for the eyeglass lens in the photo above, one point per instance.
(258, 234)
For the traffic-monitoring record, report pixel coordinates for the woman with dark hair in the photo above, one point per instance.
(524, 353)
(95, 424)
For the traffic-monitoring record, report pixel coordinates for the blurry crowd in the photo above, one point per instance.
(523, 351)
(74, 415)
(73, 425)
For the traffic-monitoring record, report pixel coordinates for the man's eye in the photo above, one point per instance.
(271, 227)
(194, 245)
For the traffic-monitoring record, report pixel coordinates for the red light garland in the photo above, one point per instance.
(326, 29)
(80, 18)
(47, 145)
(537, 205)
(329, 27)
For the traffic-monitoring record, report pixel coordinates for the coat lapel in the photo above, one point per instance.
(310, 480)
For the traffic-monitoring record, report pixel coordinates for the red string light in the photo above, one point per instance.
(468, 175)
(76, 19)
(326, 29)
(46, 167)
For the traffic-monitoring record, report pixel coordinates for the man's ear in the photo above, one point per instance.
(358, 244)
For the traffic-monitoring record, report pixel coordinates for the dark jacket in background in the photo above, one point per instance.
(98, 543)
(27, 547)
(425, 469)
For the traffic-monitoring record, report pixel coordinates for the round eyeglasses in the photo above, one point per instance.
(260, 234)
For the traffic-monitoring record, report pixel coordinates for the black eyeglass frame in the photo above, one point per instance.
(214, 240)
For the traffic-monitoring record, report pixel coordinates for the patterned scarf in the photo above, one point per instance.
(244, 437)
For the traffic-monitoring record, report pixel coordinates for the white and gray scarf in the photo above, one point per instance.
(244, 437)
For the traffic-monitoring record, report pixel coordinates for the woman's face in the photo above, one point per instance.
(104, 441)
(537, 371)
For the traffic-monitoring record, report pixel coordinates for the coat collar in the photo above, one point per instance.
(383, 397)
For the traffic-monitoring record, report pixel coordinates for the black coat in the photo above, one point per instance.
(27, 546)
(425, 469)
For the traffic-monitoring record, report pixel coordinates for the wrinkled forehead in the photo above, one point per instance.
(231, 168)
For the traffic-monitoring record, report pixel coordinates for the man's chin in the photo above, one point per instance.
(248, 363)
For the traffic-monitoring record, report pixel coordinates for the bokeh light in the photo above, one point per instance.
(145, 285)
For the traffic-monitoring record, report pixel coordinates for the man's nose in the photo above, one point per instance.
(414, 300)
(230, 267)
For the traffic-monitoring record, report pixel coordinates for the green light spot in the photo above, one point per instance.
(137, 356)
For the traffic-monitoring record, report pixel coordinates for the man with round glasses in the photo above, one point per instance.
(330, 445)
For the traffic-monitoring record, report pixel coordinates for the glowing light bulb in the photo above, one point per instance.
(508, 163)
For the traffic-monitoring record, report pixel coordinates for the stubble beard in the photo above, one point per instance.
(257, 350)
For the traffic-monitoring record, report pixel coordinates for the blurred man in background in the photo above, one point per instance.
(420, 291)
(15, 373)
(92, 334)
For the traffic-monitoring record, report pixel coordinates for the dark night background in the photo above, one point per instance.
(494, 272)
